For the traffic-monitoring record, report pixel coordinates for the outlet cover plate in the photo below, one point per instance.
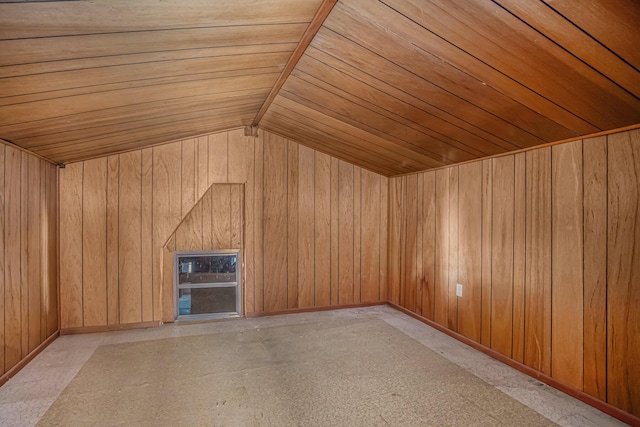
(458, 290)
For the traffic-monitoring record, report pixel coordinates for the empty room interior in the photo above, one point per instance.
(319, 212)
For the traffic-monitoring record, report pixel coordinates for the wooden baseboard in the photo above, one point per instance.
(29, 357)
(578, 394)
(109, 328)
(313, 309)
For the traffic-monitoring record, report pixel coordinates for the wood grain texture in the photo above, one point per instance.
(357, 232)
(428, 242)
(335, 256)
(487, 215)
(24, 248)
(129, 241)
(322, 236)
(395, 232)
(452, 314)
(384, 238)
(113, 263)
(345, 233)
(292, 224)
(370, 236)
(219, 217)
(94, 242)
(566, 264)
(306, 232)
(519, 263)
(623, 294)
(71, 181)
(146, 234)
(3, 282)
(441, 295)
(411, 273)
(34, 262)
(538, 261)
(218, 155)
(502, 255)
(594, 153)
(470, 250)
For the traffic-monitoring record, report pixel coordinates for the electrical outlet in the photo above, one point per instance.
(458, 290)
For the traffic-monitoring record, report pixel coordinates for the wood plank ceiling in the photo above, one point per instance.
(394, 86)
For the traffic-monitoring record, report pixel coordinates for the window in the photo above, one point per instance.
(208, 285)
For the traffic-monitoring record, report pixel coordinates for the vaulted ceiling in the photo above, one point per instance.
(394, 86)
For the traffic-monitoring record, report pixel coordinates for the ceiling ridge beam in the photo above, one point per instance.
(316, 22)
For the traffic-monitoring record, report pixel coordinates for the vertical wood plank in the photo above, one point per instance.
(147, 235)
(292, 224)
(519, 258)
(189, 235)
(384, 237)
(249, 220)
(566, 264)
(113, 297)
(207, 220)
(189, 172)
(594, 152)
(502, 255)
(129, 246)
(419, 245)
(259, 223)
(487, 215)
(411, 283)
(275, 223)
(52, 248)
(538, 261)
(452, 314)
(70, 246)
(43, 248)
(202, 166)
(167, 261)
(240, 156)
(167, 213)
(322, 232)
(34, 266)
(623, 272)
(441, 301)
(335, 281)
(237, 208)
(94, 242)
(3, 251)
(24, 242)
(429, 244)
(219, 157)
(220, 218)
(345, 233)
(395, 231)
(357, 233)
(470, 250)
(306, 212)
(370, 236)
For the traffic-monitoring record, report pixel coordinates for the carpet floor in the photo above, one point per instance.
(357, 372)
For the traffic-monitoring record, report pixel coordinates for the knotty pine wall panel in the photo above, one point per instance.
(28, 253)
(301, 210)
(545, 253)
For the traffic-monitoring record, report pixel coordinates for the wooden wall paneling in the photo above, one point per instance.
(259, 223)
(237, 216)
(168, 288)
(202, 166)
(411, 277)
(395, 232)
(429, 244)
(52, 247)
(275, 223)
(188, 174)
(453, 248)
(220, 229)
(419, 245)
(94, 242)
(384, 238)
(441, 294)
(292, 224)
(566, 264)
(519, 223)
(70, 246)
(623, 273)
(470, 250)
(189, 235)
(207, 220)
(43, 250)
(502, 255)
(322, 236)
(130, 242)
(113, 232)
(24, 243)
(402, 284)
(34, 262)
(166, 212)
(537, 315)
(3, 283)
(306, 212)
(487, 219)
(219, 154)
(335, 254)
(357, 234)
(12, 319)
(345, 233)
(594, 153)
(370, 237)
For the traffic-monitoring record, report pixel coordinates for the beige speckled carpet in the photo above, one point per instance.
(337, 373)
